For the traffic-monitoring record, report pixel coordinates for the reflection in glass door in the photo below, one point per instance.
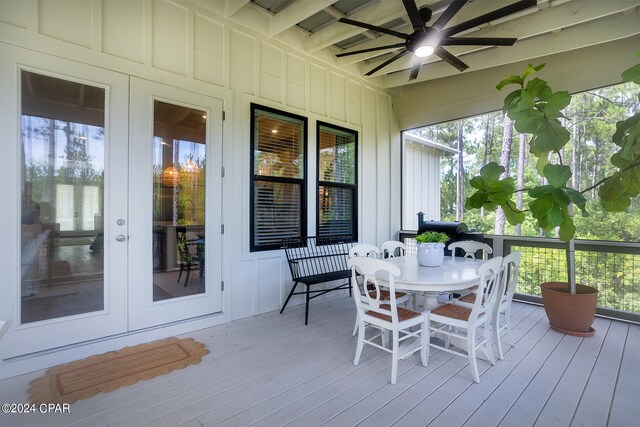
(175, 200)
(179, 184)
(62, 185)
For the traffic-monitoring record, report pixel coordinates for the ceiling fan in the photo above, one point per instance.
(426, 40)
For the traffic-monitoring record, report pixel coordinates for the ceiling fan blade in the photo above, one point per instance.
(387, 62)
(478, 41)
(372, 49)
(414, 15)
(446, 16)
(448, 57)
(491, 16)
(373, 27)
(415, 69)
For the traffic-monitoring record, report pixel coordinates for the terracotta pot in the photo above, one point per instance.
(571, 314)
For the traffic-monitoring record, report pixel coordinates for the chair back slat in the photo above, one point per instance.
(390, 247)
(491, 286)
(469, 249)
(370, 299)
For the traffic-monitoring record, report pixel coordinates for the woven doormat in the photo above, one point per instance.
(85, 378)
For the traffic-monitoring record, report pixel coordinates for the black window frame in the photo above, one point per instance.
(321, 183)
(265, 178)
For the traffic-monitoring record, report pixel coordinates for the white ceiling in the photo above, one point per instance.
(552, 26)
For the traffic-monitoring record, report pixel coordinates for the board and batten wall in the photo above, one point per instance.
(421, 179)
(186, 44)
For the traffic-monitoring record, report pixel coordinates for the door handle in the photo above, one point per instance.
(121, 238)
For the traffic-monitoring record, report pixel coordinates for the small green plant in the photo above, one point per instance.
(432, 237)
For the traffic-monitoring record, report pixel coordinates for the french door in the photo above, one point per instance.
(175, 196)
(64, 132)
(111, 203)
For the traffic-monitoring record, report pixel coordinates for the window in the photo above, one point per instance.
(337, 180)
(278, 177)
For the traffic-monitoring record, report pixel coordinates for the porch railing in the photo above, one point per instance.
(611, 267)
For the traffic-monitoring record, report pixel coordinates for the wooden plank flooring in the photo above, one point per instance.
(271, 370)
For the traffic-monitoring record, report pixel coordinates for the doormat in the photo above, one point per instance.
(85, 378)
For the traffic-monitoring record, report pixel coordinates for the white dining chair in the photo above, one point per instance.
(378, 314)
(372, 251)
(459, 322)
(364, 249)
(502, 313)
(391, 247)
(469, 249)
(501, 316)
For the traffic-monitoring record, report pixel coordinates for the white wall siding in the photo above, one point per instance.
(188, 45)
(208, 50)
(420, 184)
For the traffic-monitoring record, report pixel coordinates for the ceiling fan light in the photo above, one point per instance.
(424, 50)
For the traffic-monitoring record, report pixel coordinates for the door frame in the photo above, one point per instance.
(143, 311)
(44, 335)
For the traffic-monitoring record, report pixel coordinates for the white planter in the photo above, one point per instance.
(430, 254)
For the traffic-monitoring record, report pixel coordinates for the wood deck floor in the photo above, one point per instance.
(271, 370)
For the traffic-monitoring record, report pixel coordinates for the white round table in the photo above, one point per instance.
(454, 275)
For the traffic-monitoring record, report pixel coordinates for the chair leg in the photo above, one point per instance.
(306, 307)
(496, 337)
(488, 344)
(186, 280)
(471, 352)
(355, 327)
(361, 330)
(424, 342)
(180, 273)
(394, 356)
(295, 285)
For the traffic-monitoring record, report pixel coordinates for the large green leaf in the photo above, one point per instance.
(567, 229)
(476, 200)
(477, 182)
(510, 80)
(558, 101)
(540, 191)
(541, 206)
(557, 175)
(491, 173)
(551, 135)
(513, 215)
(577, 199)
(613, 196)
(632, 74)
(536, 86)
(630, 179)
(555, 216)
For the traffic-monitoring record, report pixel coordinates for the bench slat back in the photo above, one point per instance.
(314, 255)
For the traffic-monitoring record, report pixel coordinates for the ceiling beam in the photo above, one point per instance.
(580, 36)
(379, 13)
(232, 6)
(544, 21)
(294, 13)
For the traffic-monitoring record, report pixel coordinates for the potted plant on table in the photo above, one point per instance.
(431, 248)
(537, 110)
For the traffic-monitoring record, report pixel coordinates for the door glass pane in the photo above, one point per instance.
(179, 172)
(62, 187)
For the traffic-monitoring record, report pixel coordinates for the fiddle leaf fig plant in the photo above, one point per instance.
(537, 110)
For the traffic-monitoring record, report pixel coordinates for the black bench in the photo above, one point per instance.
(315, 260)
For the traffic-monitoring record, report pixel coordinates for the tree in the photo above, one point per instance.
(505, 158)
(460, 182)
